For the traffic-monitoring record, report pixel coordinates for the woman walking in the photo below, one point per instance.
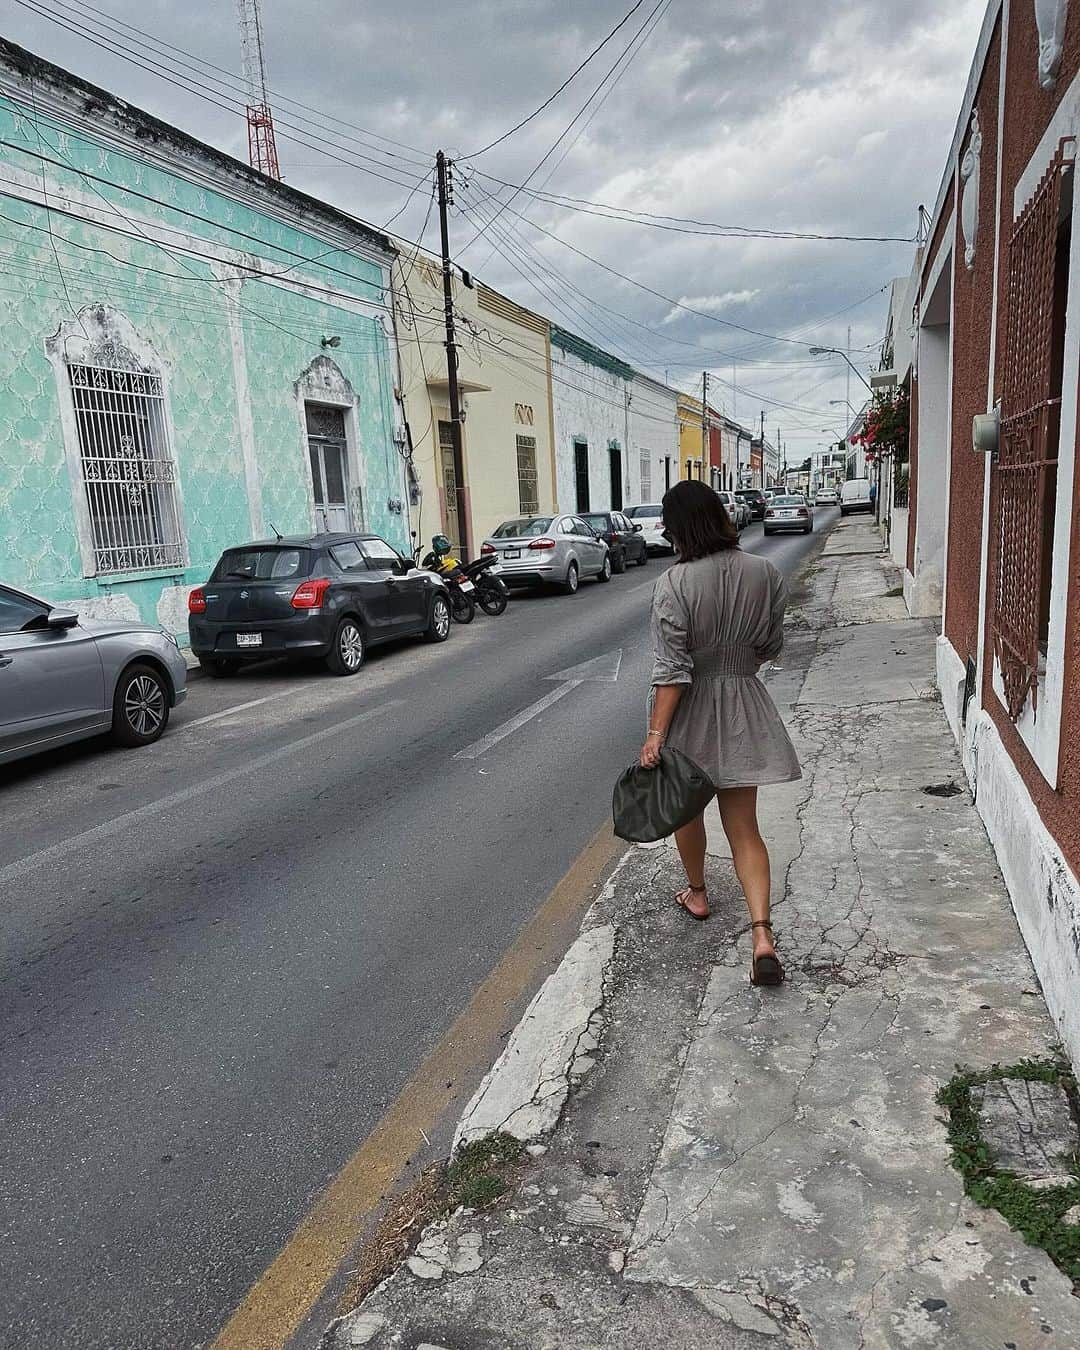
(717, 616)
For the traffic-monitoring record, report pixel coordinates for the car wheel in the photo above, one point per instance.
(221, 667)
(347, 652)
(570, 585)
(140, 706)
(644, 556)
(605, 570)
(438, 629)
(619, 563)
(766, 530)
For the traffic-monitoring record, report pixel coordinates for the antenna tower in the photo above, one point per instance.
(262, 150)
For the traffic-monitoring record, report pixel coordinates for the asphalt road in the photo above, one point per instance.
(222, 958)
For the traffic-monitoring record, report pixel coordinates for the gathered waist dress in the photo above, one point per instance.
(715, 622)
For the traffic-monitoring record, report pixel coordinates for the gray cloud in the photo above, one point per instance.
(832, 117)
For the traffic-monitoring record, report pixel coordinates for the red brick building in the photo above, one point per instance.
(993, 551)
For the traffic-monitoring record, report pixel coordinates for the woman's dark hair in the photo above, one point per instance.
(695, 518)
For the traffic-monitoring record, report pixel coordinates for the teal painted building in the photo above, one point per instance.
(191, 355)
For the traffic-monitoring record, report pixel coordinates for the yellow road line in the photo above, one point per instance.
(286, 1292)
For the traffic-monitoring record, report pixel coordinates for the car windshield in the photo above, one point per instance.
(525, 528)
(646, 512)
(263, 564)
(788, 501)
(600, 523)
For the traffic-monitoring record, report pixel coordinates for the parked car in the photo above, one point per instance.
(791, 512)
(321, 597)
(736, 509)
(625, 540)
(650, 516)
(755, 499)
(549, 551)
(855, 496)
(826, 496)
(64, 679)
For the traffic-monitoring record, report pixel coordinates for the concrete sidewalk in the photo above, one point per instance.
(714, 1165)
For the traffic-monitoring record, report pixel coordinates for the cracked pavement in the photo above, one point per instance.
(747, 1167)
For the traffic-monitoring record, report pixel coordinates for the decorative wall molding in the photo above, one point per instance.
(1050, 16)
(969, 191)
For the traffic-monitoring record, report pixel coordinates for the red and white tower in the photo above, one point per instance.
(262, 151)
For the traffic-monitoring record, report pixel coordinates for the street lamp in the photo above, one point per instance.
(843, 403)
(835, 351)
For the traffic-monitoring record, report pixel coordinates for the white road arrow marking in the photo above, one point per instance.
(603, 669)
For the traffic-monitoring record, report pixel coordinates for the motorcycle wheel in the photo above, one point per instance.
(462, 606)
(493, 599)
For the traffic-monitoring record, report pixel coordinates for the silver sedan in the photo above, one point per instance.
(790, 512)
(548, 551)
(64, 679)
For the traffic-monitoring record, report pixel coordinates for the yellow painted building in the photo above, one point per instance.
(504, 373)
(693, 456)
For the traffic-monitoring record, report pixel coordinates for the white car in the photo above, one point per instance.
(737, 509)
(826, 497)
(650, 516)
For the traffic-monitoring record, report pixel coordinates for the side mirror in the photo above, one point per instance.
(62, 618)
(638, 529)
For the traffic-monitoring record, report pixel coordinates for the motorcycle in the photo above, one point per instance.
(492, 593)
(461, 588)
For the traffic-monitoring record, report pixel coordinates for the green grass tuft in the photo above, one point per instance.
(475, 1176)
(1035, 1214)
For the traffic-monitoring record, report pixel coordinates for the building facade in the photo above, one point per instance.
(191, 355)
(992, 550)
(507, 465)
(654, 442)
(591, 392)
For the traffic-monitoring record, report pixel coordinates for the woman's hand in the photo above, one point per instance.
(650, 751)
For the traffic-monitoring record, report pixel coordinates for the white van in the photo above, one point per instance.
(855, 496)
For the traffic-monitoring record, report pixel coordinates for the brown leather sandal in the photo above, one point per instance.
(765, 970)
(682, 897)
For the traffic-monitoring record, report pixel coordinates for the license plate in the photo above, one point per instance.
(787, 515)
(512, 553)
(467, 586)
(249, 639)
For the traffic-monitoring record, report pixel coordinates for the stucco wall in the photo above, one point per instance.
(590, 405)
(116, 246)
(653, 436)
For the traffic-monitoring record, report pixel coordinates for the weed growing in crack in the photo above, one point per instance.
(475, 1175)
(1035, 1214)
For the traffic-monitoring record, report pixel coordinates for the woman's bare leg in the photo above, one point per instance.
(691, 844)
(738, 813)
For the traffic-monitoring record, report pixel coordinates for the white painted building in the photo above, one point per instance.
(591, 397)
(653, 462)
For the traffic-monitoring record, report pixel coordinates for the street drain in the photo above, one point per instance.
(949, 789)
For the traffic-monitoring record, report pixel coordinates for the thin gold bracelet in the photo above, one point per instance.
(653, 732)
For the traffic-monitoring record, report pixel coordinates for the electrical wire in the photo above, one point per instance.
(549, 101)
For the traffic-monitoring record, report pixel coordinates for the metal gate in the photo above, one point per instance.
(1030, 414)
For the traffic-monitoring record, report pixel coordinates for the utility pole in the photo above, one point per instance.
(446, 196)
(762, 450)
(848, 393)
(704, 424)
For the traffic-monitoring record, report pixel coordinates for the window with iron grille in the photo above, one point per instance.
(646, 478)
(1024, 479)
(528, 488)
(128, 474)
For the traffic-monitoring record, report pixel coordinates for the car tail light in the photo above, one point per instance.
(803, 511)
(489, 548)
(310, 594)
(659, 526)
(770, 512)
(196, 601)
(542, 543)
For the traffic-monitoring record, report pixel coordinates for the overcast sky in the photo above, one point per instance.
(830, 117)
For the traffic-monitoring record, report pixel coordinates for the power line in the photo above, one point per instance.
(569, 126)
(548, 101)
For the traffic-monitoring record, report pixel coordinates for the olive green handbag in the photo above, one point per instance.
(650, 804)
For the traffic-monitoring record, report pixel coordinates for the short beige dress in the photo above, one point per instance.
(715, 622)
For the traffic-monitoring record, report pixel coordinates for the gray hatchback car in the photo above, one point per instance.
(64, 679)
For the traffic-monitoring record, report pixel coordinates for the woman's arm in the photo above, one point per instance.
(665, 702)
